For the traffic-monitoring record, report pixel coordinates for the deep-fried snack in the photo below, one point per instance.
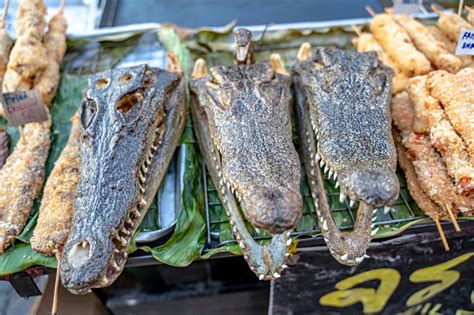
(396, 42)
(21, 180)
(425, 42)
(5, 46)
(55, 214)
(367, 42)
(456, 94)
(55, 41)
(452, 24)
(430, 119)
(449, 45)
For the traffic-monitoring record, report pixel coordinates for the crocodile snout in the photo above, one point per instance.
(375, 188)
(276, 209)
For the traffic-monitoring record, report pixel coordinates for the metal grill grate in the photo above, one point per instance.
(405, 210)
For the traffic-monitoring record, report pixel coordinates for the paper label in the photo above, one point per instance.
(407, 6)
(465, 43)
(23, 107)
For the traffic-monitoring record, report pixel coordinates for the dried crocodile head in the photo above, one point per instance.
(343, 101)
(131, 122)
(241, 115)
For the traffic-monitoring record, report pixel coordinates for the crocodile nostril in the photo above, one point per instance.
(79, 254)
(125, 78)
(102, 83)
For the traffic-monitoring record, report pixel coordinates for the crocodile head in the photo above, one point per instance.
(131, 121)
(348, 100)
(249, 121)
(242, 121)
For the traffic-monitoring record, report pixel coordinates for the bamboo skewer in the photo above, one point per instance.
(370, 10)
(356, 30)
(4, 14)
(54, 309)
(441, 233)
(436, 10)
(61, 6)
(453, 218)
(460, 7)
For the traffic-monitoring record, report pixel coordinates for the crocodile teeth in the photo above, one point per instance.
(284, 266)
(276, 275)
(352, 203)
(366, 256)
(317, 157)
(317, 136)
(330, 174)
(154, 147)
(326, 169)
(115, 266)
(141, 177)
(241, 244)
(342, 197)
(137, 213)
(142, 190)
(374, 211)
(359, 259)
(116, 251)
(337, 184)
(321, 164)
(288, 242)
(311, 163)
(375, 231)
(261, 277)
(287, 254)
(374, 218)
(344, 257)
(386, 209)
(335, 176)
(143, 202)
(144, 169)
(125, 231)
(257, 230)
(123, 241)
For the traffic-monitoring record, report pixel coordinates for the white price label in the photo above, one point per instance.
(465, 43)
(23, 107)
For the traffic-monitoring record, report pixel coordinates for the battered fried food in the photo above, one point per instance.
(456, 95)
(21, 180)
(425, 42)
(430, 119)
(451, 25)
(449, 45)
(366, 42)
(55, 214)
(55, 41)
(396, 42)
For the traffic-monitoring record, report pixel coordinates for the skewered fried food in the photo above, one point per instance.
(431, 120)
(4, 139)
(449, 45)
(28, 57)
(21, 180)
(55, 41)
(367, 42)
(5, 44)
(424, 41)
(451, 24)
(470, 15)
(416, 148)
(55, 214)
(396, 42)
(457, 97)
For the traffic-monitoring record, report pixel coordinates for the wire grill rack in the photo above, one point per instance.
(93, 57)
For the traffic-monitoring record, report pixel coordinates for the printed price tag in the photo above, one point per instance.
(465, 43)
(23, 107)
(407, 6)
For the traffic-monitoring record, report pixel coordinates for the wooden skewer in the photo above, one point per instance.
(56, 287)
(4, 14)
(453, 218)
(356, 30)
(61, 6)
(370, 10)
(460, 7)
(441, 233)
(436, 10)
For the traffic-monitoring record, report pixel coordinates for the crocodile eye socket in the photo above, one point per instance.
(102, 83)
(380, 82)
(88, 113)
(128, 101)
(125, 78)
